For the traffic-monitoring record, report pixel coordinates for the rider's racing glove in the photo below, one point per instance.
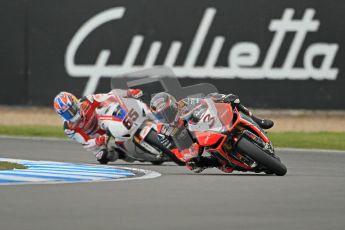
(232, 99)
(135, 93)
(95, 143)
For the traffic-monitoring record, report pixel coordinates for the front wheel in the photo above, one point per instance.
(152, 139)
(250, 149)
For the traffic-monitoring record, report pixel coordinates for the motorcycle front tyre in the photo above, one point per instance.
(152, 139)
(250, 149)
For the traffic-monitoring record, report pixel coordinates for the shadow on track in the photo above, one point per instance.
(219, 174)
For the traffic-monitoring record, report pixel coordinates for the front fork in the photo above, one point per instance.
(228, 151)
(265, 146)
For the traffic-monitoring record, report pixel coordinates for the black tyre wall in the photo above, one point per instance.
(248, 148)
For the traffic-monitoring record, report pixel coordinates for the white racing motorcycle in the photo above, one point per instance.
(132, 130)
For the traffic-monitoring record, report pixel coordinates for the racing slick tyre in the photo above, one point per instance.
(152, 139)
(250, 149)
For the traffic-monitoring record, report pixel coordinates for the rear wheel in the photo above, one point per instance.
(152, 139)
(250, 149)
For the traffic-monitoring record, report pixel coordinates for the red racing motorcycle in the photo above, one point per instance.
(234, 138)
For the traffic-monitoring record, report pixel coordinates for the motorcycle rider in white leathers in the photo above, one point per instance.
(81, 123)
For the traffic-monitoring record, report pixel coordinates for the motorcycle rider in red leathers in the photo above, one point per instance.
(81, 124)
(190, 110)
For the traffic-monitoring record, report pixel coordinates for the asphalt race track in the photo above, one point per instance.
(310, 196)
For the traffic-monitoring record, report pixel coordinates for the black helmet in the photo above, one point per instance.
(164, 107)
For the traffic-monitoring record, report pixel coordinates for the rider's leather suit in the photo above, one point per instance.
(191, 110)
(87, 131)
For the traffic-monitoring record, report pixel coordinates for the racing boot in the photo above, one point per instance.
(263, 123)
(235, 102)
(103, 156)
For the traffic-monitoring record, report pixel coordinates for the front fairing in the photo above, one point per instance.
(122, 118)
(217, 118)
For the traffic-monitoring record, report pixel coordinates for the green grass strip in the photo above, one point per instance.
(32, 131)
(310, 140)
(8, 165)
(318, 140)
